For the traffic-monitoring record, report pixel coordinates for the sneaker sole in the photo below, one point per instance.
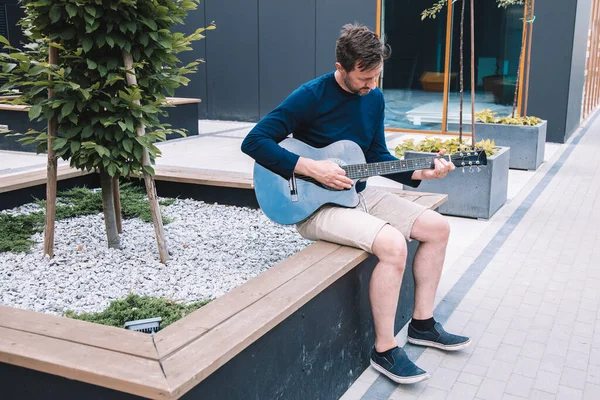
(400, 379)
(451, 347)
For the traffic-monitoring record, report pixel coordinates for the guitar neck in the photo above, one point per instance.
(360, 171)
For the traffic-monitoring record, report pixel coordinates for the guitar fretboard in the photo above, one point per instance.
(359, 171)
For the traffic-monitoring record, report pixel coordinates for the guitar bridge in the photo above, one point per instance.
(293, 189)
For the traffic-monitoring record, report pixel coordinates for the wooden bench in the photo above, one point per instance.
(229, 340)
(184, 115)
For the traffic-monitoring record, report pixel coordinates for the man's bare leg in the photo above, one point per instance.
(432, 231)
(384, 288)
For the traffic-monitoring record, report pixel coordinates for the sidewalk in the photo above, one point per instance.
(527, 293)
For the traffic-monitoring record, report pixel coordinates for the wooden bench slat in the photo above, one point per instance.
(101, 336)
(105, 368)
(203, 176)
(21, 107)
(182, 100)
(10, 182)
(187, 367)
(185, 330)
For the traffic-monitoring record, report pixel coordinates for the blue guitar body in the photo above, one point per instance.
(291, 201)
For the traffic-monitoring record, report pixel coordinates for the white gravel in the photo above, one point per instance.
(214, 248)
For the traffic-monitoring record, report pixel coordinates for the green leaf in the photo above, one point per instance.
(35, 111)
(111, 64)
(91, 10)
(87, 132)
(91, 64)
(4, 40)
(128, 145)
(112, 169)
(148, 169)
(71, 10)
(59, 143)
(55, 13)
(138, 152)
(110, 41)
(67, 109)
(100, 40)
(87, 44)
(123, 125)
(103, 70)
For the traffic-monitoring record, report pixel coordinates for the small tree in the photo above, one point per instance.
(117, 62)
(432, 13)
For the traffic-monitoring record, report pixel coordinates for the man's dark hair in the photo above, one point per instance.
(360, 47)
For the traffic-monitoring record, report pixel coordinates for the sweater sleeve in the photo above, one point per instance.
(378, 152)
(262, 142)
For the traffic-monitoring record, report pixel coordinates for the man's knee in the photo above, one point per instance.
(431, 227)
(390, 247)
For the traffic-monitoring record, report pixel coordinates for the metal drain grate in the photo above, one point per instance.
(149, 325)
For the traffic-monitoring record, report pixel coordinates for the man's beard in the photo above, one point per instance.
(352, 89)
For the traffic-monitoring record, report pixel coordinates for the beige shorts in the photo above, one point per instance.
(359, 226)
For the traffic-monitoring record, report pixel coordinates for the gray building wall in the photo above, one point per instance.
(558, 57)
(263, 49)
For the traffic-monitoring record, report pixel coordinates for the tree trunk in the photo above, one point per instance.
(148, 180)
(473, 140)
(108, 204)
(51, 170)
(117, 201)
(461, 71)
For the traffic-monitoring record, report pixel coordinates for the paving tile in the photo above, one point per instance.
(593, 375)
(591, 392)
(547, 381)
(500, 370)
(508, 352)
(573, 378)
(462, 391)
(577, 360)
(443, 378)
(519, 385)
(540, 395)
(491, 389)
(552, 363)
(455, 360)
(533, 350)
(515, 337)
(471, 379)
(431, 393)
(567, 393)
(490, 341)
(526, 367)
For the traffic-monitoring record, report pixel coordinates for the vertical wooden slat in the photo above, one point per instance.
(148, 180)
(449, 8)
(51, 170)
(473, 140)
(519, 83)
(528, 66)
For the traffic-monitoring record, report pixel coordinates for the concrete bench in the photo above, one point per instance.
(302, 329)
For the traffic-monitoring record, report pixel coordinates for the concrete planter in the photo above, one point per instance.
(474, 195)
(527, 143)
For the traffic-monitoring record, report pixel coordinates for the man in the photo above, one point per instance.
(346, 104)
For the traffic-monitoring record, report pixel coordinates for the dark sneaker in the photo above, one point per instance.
(398, 367)
(437, 337)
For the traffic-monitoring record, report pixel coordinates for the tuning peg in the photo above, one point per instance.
(463, 169)
(478, 169)
(471, 169)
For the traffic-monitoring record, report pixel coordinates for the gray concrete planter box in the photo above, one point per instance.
(473, 195)
(527, 143)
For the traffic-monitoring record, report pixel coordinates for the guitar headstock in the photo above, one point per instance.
(470, 158)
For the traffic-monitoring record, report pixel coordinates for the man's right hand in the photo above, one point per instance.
(324, 171)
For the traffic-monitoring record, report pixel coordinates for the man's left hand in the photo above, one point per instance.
(442, 167)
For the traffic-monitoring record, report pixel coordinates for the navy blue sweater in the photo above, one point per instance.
(319, 113)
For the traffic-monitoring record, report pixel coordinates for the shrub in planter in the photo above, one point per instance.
(526, 136)
(476, 192)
